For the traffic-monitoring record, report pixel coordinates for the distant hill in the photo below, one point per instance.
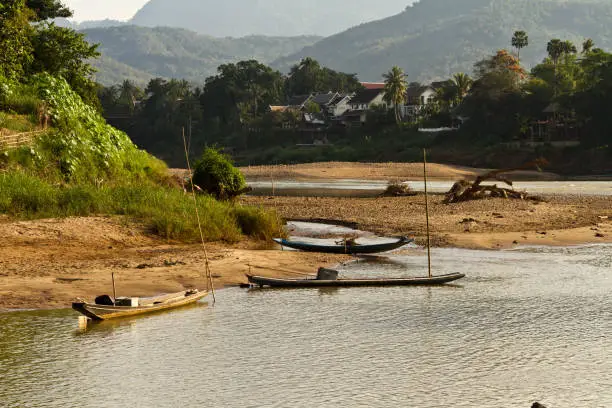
(238, 18)
(140, 53)
(64, 22)
(434, 38)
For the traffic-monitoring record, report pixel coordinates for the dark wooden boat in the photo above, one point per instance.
(104, 309)
(329, 281)
(346, 247)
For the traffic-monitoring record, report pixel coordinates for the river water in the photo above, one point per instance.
(373, 187)
(529, 324)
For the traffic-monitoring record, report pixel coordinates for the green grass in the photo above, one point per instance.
(23, 99)
(167, 211)
(17, 123)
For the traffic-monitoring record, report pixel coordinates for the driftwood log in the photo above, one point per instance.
(465, 190)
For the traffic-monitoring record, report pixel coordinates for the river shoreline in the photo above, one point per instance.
(47, 264)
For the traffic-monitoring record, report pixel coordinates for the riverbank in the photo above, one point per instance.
(378, 171)
(49, 263)
(484, 224)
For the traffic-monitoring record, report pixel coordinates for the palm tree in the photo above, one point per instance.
(396, 84)
(463, 83)
(587, 45)
(555, 50)
(520, 40)
(127, 94)
(568, 47)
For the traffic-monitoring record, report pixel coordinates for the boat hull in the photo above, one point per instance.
(314, 283)
(103, 312)
(345, 249)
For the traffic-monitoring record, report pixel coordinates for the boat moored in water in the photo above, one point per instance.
(328, 278)
(105, 308)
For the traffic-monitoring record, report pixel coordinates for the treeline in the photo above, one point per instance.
(230, 105)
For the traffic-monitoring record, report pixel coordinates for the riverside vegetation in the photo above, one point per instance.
(78, 165)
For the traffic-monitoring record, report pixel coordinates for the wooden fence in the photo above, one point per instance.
(12, 141)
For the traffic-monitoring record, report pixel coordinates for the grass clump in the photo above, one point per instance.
(258, 223)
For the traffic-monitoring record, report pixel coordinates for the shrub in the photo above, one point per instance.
(258, 223)
(215, 174)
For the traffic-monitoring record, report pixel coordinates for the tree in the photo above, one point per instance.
(396, 84)
(555, 49)
(463, 83)
(587, 46)
(308, 77)
(129, 94)
(16, 54)
(47, 9)
(520, 40)
(64, 52)
(241, 92)
(215, 174)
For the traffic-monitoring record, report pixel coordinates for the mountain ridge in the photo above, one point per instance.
(238, 18)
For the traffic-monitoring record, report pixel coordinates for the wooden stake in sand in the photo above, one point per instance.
(114, 291)
(195, 203)
(427, 212)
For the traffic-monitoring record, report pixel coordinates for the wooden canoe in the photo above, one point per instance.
(349, 248)
(146, 305)
(317, 283)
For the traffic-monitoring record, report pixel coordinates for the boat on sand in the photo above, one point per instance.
(347, 246)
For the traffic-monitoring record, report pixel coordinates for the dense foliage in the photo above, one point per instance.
(30, 48)
(236, 99)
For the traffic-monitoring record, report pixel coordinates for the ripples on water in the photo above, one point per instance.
(525, 325)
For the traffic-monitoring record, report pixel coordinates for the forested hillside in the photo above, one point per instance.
(239, 18)
(435, 38)
(140, 53)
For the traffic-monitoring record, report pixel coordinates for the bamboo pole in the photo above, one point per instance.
(427, 212)
(114, 291)
(195, 202)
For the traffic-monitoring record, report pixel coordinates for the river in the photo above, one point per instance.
(528, 324)
(373, 187)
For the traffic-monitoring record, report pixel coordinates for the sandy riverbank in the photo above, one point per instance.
(377, 171)
(49, 263)
(484, 224)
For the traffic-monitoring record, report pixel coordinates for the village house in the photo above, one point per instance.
(417, 97)
(360, 104)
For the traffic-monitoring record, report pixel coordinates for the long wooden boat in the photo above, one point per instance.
(318, 283)
(96, 311)
(345, 248)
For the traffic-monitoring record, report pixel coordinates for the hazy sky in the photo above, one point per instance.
(101, 9)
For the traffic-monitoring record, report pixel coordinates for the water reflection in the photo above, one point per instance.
(524, 325)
